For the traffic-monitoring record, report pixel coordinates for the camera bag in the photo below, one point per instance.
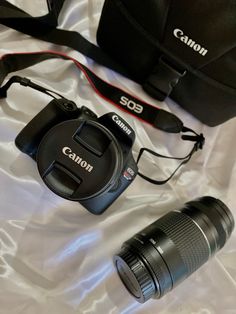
(182, 49)
(179, 49)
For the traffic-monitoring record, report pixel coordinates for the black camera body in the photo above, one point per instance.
(81, 157)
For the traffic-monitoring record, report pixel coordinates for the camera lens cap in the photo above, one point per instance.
(79, 159)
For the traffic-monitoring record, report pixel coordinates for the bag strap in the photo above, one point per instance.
(13, 14)
(153, 115)
(54, 8)
(158, 84)
(44, 28)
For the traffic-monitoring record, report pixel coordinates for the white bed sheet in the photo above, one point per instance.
(56, 257)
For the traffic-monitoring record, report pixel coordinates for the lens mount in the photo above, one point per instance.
(134, 275)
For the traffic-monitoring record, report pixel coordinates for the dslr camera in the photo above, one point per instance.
(81, 157)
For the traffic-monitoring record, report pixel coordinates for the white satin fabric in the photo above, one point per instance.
(56, 257)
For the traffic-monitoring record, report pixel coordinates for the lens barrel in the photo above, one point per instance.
(166, 252)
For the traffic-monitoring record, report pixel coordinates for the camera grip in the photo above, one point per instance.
(58, 110)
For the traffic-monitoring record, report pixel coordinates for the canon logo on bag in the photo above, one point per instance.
(178, 33)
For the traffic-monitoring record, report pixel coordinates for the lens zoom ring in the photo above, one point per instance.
(188, 238)
(140, 272)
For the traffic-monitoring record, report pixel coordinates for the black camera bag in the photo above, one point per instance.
(178, 48)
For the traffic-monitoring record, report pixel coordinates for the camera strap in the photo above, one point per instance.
(153, 115)
(199, 142)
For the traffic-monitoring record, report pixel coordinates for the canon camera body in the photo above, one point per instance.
(81, 157)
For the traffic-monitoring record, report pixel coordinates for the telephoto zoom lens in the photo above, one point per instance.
(162, 255)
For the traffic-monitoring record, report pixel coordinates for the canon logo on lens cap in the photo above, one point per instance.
(77, 159)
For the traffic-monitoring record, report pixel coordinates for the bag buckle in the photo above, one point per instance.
(162, 80)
